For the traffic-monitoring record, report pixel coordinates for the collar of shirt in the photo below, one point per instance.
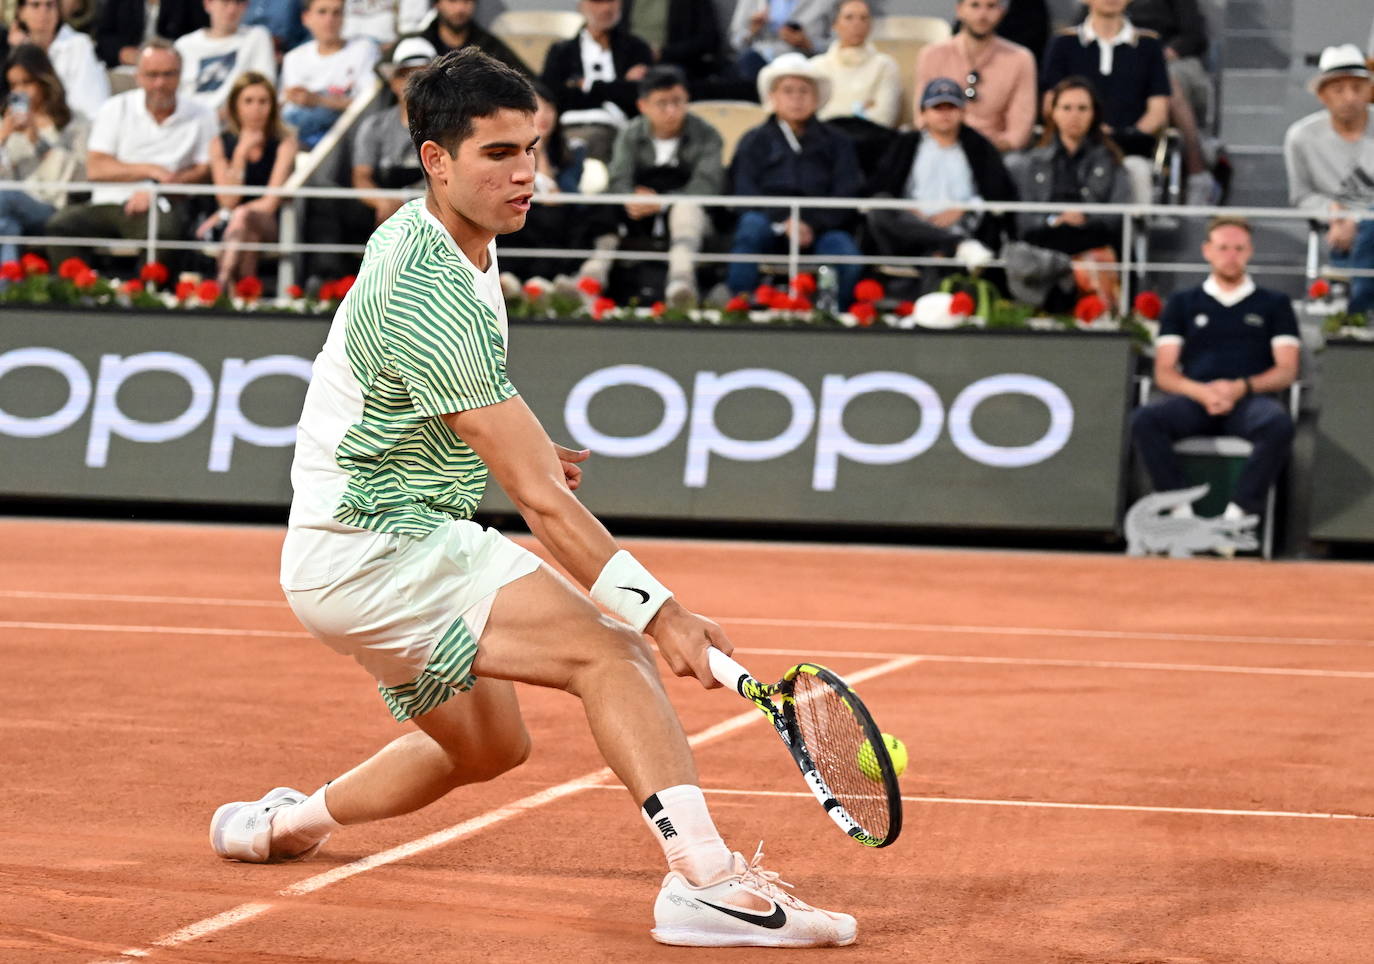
(1105, 48)
(1229, 298)
(790, 136)
(597, 63)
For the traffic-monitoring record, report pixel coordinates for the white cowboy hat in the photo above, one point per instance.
(793, 65)
(1342, 61)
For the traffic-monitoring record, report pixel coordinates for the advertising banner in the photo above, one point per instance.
(978, 429)
(1343, 467)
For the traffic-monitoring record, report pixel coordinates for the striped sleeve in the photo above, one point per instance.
(443, 341)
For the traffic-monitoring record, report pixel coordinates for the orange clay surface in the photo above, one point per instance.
(1111, 760)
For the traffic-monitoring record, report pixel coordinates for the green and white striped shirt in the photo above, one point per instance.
(422, 333)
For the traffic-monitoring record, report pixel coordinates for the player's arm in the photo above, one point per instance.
(533, 473)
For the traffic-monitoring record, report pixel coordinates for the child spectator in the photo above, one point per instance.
(322, 76)
(41, 140)
(214, 56)
(255, 151)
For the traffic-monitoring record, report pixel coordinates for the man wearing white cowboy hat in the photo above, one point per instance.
(1330, 158)
(792, 154)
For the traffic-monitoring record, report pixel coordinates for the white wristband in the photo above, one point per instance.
(627, 589)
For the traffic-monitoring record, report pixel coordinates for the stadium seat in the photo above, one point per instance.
(902, 27)
(532, 48)
(556, 23)
(731, 118)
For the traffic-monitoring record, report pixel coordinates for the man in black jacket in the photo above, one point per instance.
(455, 26)
(941, 167)
(594, 77)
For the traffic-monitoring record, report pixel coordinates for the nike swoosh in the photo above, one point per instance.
(773, 921)
(643, 596)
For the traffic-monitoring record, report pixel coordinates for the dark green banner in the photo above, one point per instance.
(753, 424)
(1343, 469)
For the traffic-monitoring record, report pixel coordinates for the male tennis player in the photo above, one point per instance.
(408, 408)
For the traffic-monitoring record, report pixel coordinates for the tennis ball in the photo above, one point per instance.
(868, 761)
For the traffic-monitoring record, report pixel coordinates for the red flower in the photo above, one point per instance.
(961, 305)
(208, 291)
(185, 289)
(85, 278)
(1319, 289)
(868, 290)
(589, 287)
(804, 284)
(533, 290)
(294, 291)
(249, 289)
(781, 301)
(863, 312)
(800, 303)
(153, 273)
(11, 271)
(1148, 305)
(344, 285)
(601, 306)
(906, 308)
(657, 309)
(33, 264)
(71, 268)
(1089, 309)
(327, 292)
(132, 287)
(738, 303)
(765, 295)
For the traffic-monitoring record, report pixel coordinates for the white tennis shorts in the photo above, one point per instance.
(411, 611)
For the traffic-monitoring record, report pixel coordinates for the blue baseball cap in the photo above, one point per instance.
(942, 90)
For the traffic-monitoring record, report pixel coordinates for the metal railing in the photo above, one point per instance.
(1135, 218)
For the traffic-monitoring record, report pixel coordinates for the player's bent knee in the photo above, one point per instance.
(614, 645)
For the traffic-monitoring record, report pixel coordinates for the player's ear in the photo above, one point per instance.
(435, 160)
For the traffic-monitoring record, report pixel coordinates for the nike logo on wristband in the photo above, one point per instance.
(643, 596)
(771, 921)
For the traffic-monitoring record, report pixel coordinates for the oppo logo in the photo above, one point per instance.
(101, 397)
(824, 417)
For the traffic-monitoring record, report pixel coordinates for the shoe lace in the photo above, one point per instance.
(770, 882)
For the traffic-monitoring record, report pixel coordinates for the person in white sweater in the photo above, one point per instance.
(864, 82)
(39, 22)
(214, 56)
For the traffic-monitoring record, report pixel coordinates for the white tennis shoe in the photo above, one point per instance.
(745, 908)
(243, 830)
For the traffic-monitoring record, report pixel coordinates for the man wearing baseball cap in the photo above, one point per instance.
(940, 167)
(1330, 158)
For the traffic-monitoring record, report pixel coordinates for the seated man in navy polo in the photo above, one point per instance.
(1225, 350)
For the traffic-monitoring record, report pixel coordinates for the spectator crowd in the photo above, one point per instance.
(235, 92)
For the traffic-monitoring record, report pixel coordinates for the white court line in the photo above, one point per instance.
(837, 624)
(1052, 805)
(589, 781)
(164, 630)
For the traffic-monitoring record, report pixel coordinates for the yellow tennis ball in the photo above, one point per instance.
(868, 761)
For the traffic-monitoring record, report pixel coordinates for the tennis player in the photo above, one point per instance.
(409, 407)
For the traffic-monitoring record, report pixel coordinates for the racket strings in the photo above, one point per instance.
(834, 737)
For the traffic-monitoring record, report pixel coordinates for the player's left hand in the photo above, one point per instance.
(568, 458)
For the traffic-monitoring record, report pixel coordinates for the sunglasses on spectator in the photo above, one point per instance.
(971, 88)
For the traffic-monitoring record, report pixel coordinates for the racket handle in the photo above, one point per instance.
(726, 671)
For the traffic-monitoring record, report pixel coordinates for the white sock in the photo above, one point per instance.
(1233, 512)
(298, 828)
(679, 820)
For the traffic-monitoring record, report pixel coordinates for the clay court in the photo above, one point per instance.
(1112, 760)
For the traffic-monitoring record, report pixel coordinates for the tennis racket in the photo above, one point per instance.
(824, 725)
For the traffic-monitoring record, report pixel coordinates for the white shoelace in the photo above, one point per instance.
(769, 881)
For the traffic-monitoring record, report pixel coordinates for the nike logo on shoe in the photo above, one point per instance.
(771, 921)
(643, 596)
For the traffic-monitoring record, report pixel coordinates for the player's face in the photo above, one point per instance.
(665, 110)
(980, 17)
(852, 23)
(490, 180)
(226, 15)
(1228, 251)
(324, 20)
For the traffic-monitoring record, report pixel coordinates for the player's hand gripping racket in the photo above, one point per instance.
(825, 725)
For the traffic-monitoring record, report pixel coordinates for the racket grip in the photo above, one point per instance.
(726, 671)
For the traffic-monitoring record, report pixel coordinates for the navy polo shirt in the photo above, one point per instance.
(1227, 342)
(1137, 72)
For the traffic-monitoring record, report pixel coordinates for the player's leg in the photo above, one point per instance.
(545, 632)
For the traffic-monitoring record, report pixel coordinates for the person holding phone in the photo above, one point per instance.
(39, 22)
(41, 141)
(762, 30)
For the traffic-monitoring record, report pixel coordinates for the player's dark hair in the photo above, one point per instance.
(445, 98)
(662, 77)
